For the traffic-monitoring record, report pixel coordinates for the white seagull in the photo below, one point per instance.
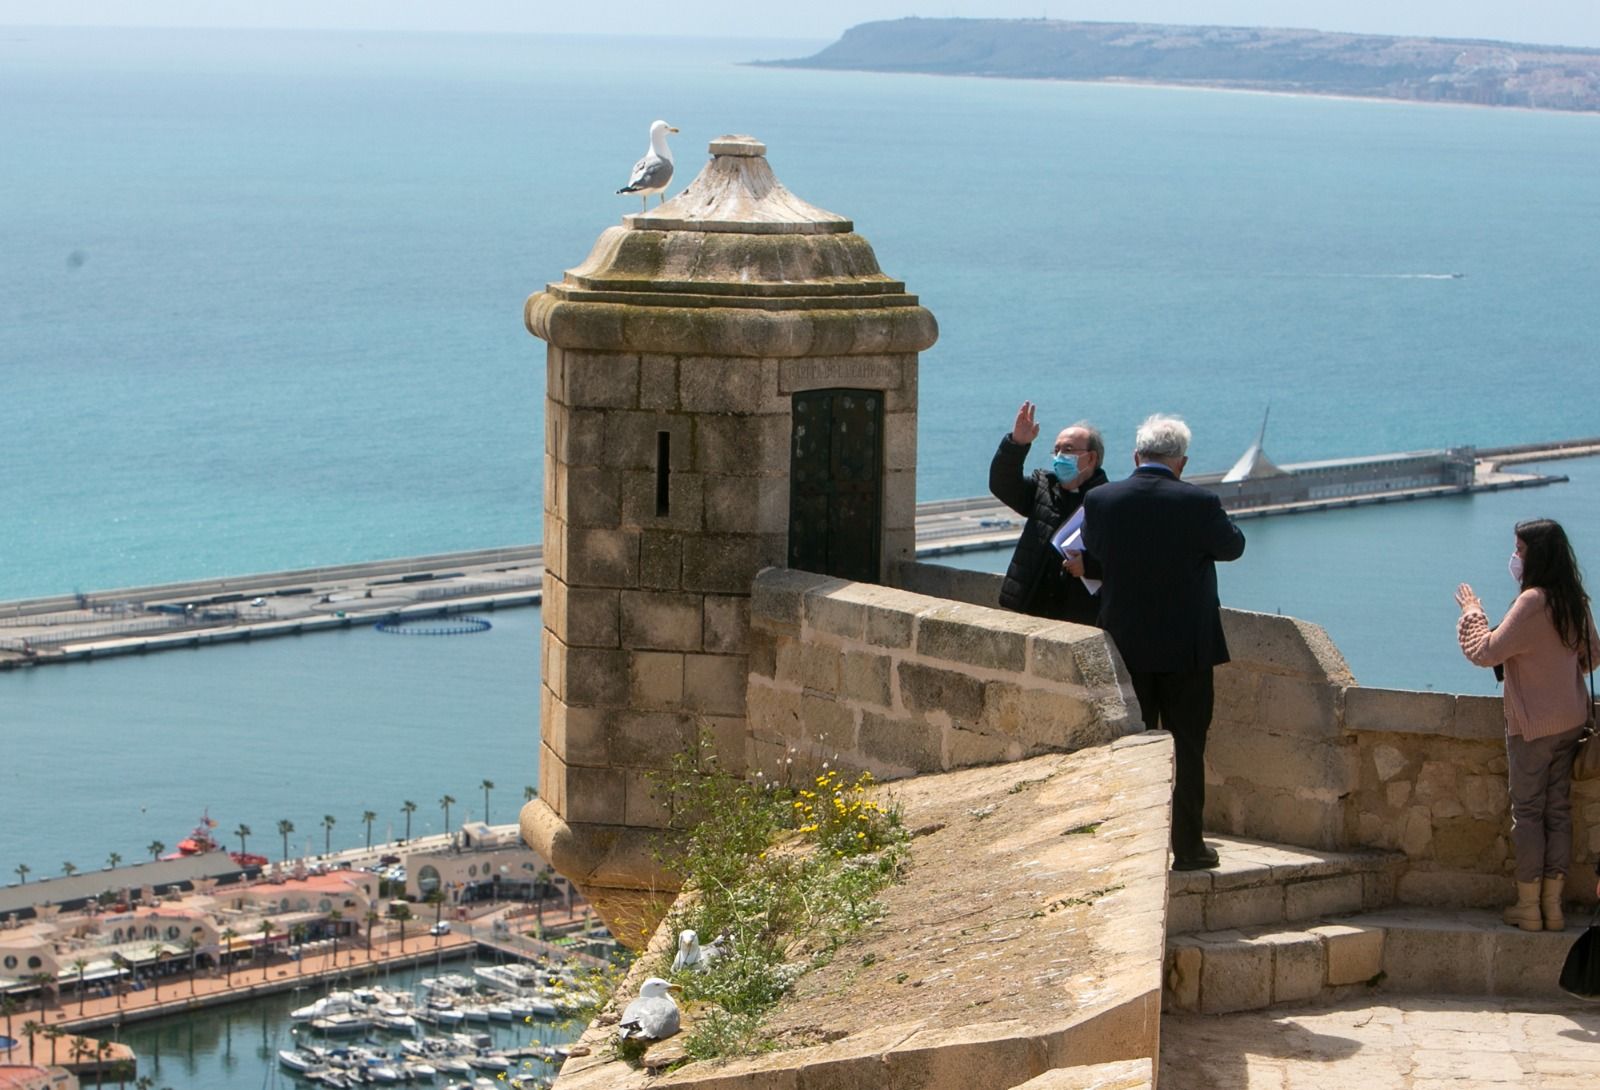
(691, 955)
(652, 173)
(652, 1016)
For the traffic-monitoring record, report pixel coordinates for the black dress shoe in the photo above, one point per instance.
(1204, 859)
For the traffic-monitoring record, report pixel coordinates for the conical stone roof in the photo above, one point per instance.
(736, 264)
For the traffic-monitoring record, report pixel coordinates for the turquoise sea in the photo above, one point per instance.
(260, 307)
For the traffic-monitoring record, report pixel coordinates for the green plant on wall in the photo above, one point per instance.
(782, 874)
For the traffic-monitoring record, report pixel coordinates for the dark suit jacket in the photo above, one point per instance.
(1158, 539)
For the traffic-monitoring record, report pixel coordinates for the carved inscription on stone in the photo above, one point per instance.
(867, 373)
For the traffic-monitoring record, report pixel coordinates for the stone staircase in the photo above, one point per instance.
(1278, 925)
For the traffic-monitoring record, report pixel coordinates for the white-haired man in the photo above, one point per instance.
(1157, 539)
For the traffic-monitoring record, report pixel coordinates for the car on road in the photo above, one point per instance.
(440, 928)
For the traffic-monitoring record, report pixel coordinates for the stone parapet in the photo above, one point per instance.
(1300, 754)
(881, 679)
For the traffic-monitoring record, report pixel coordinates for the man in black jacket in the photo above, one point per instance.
(1036, 581)
(1158, 539)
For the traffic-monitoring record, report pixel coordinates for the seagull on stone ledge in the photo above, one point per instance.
(652, 173)
(652, 1016)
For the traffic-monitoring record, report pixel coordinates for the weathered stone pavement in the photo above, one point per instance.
(1414, 1044)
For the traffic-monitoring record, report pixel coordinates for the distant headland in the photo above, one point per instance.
(1480, 73)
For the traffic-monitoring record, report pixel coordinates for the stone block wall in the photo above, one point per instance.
(880, 679)
(1279, 764)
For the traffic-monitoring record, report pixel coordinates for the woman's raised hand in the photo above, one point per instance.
(1467, 599)
(1025, 430)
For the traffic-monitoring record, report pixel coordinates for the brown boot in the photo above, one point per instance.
(1550, 891)
(1525, 913)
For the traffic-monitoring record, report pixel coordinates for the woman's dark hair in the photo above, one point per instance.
(1548, 563)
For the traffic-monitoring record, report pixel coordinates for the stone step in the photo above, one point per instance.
(1260, 883)
(1119, 1075)
(1398, 951)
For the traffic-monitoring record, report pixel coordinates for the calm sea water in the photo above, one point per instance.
(260, 307)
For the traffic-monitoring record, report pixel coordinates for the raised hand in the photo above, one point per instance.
(1467, 599)
(1025, 430)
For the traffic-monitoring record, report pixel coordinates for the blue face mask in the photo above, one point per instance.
(1065, 467)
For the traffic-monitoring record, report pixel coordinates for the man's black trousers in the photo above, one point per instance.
(1180, 702)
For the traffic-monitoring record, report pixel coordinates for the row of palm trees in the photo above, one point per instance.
(286, 828)
(83, 1049)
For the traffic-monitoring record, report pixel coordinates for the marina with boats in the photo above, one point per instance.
(326, 949)
(439, 1031)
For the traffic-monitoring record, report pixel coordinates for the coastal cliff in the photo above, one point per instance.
(1244, 58)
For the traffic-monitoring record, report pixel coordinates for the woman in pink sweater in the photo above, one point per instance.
(1546, 644)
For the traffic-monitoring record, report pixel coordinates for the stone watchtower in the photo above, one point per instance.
(731, 385)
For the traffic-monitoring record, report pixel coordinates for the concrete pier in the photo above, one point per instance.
(135, 620)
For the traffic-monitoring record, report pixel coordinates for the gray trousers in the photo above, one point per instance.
(1540, 775)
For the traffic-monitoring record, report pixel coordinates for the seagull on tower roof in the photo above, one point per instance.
(652, 173)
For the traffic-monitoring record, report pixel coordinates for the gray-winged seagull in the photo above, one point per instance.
(691, 955)
(652, 173)
(652, 1016)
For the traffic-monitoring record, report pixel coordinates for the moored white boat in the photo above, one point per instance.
(342, 1025)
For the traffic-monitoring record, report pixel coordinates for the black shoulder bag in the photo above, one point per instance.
(1580, 976)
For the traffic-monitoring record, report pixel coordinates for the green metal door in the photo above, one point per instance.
(836, 483)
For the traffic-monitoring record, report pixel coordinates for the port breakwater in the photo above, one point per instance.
(136, 620)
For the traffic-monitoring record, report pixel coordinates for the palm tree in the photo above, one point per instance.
(29, 1028)
(227, 936)
(156, 951)
(242, 832)
(55, 1033)
(80, 964)
(266, 946)
(113, 860)
(69, 868)
(8, 1007)
(42, 981)
(435, 897)
(333, 918)
(372, 917)
(122, 1070)
(445, 802)
(155, 848)
(488, 786)
(529, 793)
(297, 934)
(327, 833)
(402, 912)
(192, 945)
(369, 817)
(23, 870)
(408, 808)
(285, 827)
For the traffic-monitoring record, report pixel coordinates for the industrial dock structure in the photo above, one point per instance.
(135, 620)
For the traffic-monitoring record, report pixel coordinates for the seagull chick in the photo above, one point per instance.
(691, 955)
(652, 1016)
(652, 173)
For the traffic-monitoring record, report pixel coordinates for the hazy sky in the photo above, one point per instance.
(1562, 22)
